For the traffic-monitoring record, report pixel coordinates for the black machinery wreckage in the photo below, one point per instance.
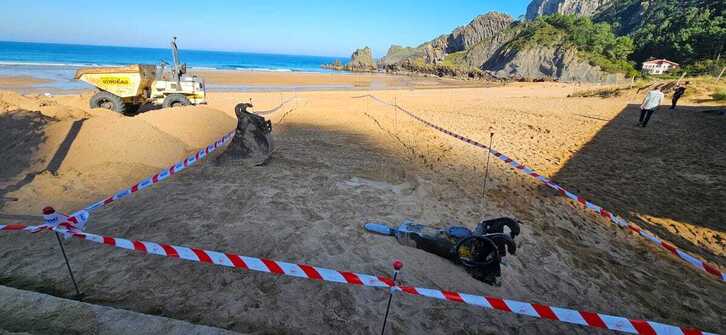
(480, 251)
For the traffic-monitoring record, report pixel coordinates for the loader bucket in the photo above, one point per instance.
(252, 142)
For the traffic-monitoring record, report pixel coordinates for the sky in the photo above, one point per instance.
(298, 27)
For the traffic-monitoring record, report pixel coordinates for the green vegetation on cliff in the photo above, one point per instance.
(685, 31)
(398, 53)
(443, 69)
(455, 59)
(595, 42)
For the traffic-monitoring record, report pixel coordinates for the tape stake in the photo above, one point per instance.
(397, 266)
(582, 318)
(53, 220)
(710, 269)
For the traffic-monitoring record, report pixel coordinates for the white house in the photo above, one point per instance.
(658, 66)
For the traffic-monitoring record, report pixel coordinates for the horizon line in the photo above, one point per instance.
(180, 49)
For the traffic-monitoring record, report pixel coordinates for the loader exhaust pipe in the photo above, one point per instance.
(179, 68)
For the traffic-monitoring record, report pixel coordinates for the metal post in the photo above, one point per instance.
(395, 113)
(397, 265)
(366, 99)
(68, 264)
(486, 170)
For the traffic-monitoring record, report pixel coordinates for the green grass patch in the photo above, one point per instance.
(594, 42)
(455, 59)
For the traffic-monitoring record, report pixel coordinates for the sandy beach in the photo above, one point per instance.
(19, 82)
(342, 159)
(260, 81)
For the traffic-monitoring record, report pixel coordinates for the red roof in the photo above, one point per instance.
(660, 61)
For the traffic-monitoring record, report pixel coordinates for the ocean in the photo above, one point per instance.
(58, 62)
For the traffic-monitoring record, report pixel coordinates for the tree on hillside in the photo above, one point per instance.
(595, 41)
(685, 31)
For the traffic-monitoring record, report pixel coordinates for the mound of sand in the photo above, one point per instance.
(102, 140)
(196, 127)
(52, 148)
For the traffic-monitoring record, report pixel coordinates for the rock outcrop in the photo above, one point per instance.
(578, 7)
(482, 33)
(397, 54)
(545, 63)
(362, 59)
(482, 28)
(492, 46)
(625, 16)
(480, 53)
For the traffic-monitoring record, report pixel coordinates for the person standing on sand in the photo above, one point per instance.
(679, 91)
(651, 102)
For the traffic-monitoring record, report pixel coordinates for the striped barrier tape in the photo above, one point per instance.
(582, 318)
(163, 174)
(618, 220)
(82, 215)
(270, 111)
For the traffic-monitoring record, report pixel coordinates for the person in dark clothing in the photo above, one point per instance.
(679, 91)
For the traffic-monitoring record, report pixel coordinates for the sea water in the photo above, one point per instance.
(58, 62)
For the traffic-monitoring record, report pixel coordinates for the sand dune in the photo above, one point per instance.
(68, 148)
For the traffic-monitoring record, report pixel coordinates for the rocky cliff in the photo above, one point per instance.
(625, 16)
(579, 7)
(483, 29)
(362, 59)
(490, 46)
(543, 63)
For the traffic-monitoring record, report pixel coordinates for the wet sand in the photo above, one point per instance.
(219, 80)
(16, 82)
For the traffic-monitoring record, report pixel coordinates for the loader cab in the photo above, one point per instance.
(192, 87)
(172, 79)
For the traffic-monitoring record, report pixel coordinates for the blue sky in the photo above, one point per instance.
(325, 28)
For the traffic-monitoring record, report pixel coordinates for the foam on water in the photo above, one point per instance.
(58, 62)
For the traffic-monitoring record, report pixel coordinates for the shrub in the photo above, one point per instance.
(595, 42)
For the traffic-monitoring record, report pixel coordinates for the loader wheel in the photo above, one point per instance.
(108, 101)
(175, 100)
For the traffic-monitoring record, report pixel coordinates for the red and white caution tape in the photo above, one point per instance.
(163, 174)
(82, 215)
(582, 318)
(618, 220)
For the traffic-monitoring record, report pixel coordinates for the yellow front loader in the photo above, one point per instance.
(124, 89)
